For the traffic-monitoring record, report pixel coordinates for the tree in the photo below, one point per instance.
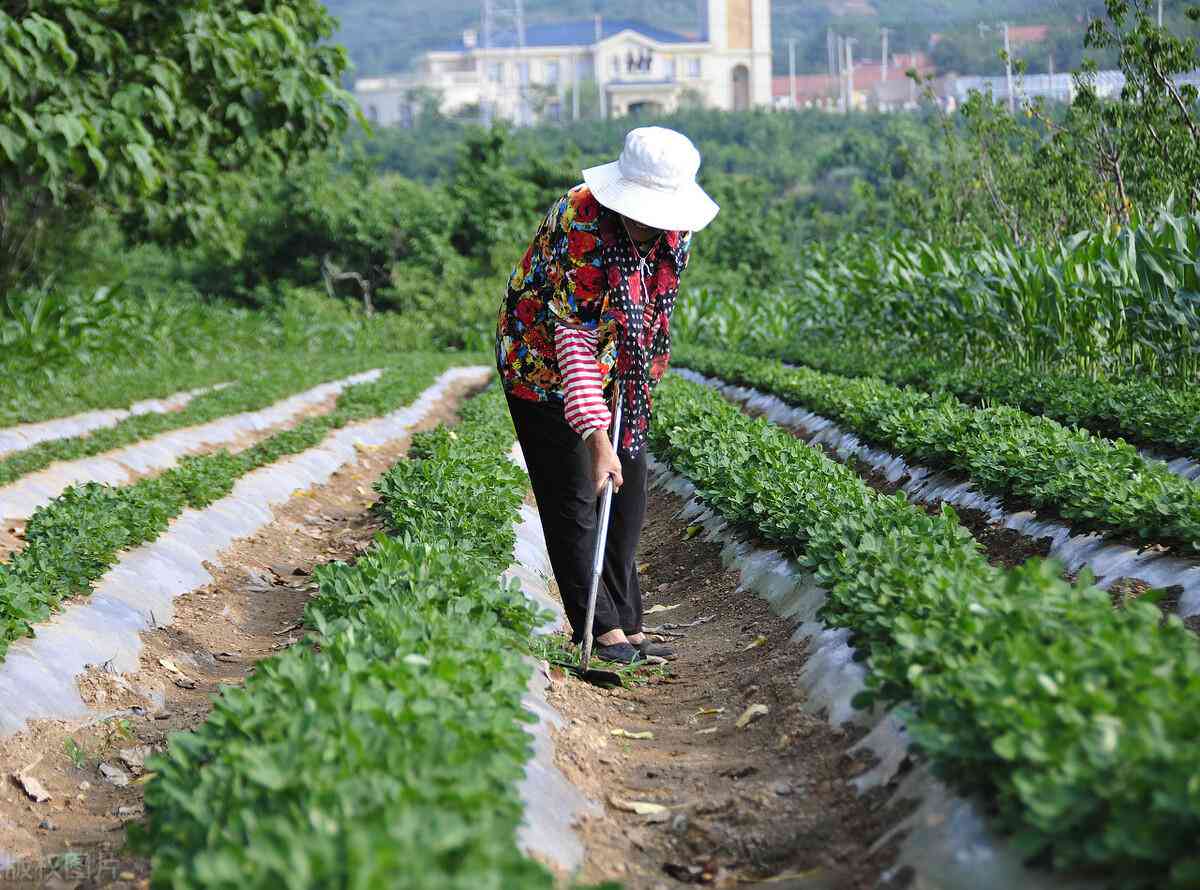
(1150, 140)
(142, 106)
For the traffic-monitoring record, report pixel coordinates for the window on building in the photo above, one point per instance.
(373, 113)
(553, 72)
(616, 66)
(495, 72)
(523, 73)
(693, 67)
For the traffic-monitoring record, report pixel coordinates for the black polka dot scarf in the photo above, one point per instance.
(632, 287)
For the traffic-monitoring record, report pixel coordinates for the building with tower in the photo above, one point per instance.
(528, 72)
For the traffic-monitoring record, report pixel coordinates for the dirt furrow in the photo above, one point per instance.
(91, 769)
(767, 801)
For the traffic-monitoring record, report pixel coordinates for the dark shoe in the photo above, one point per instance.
(619, 653)
(654, 650)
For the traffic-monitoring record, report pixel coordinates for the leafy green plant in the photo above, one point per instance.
(76, 538)
(280, 377)
(1095, 483)
(1075, 718)
(75, 753)
(384, 751)
(1145, 412)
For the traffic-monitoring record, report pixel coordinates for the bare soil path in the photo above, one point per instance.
(769, 802)
(91, 770)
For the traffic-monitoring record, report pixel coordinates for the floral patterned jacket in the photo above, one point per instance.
(564, 278)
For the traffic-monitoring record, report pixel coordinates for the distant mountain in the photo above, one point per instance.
(385, 36)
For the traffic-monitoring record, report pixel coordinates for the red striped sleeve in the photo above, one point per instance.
(583, 385)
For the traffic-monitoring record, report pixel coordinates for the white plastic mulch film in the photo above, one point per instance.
(1109, 561)
(551, 803)
(20, 499)
(26, 435)
(37, 678)
(947, 842)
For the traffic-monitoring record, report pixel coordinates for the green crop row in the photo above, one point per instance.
(72, 541)
(1077, 720)
(270, 384)
(1143, 412)
(74, 353)
(385, 749)
(1094, 483)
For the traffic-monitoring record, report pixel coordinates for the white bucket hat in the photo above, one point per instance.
(654, 182)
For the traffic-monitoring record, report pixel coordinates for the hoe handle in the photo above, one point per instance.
(601, 545)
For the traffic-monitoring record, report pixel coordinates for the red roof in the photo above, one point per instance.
(1029, 33)
(815, 86)
(808, 86)
(1016, 34)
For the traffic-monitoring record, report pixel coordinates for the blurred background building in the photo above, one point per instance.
(526, 73)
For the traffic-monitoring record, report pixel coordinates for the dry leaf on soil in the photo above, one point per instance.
(751, 714)
(135, 758)
(626, 734)
(641, 807)
(759, 640)
(661, 608)
(114, 774)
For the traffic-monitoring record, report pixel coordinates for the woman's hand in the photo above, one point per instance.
(605, 463)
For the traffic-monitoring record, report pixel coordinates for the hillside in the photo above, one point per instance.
(385, 36)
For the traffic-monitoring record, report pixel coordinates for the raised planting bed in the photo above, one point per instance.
(1094, 483)
(27, 435)
(1142, 411)
(1076, 720)
(76, 538)
(386, 749)
(273, 394)
(1116, 566)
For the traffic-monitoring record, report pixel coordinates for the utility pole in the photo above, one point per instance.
(1008, 65)
(496, 15)
(1160, 18)
(883, 74)
(574, 88)
(792, 70)
(841, 76)
(830, 50)
(849, 44)
(1012, 100)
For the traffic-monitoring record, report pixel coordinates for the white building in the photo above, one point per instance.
(632, 67)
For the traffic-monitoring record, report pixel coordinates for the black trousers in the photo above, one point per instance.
(560, 468)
